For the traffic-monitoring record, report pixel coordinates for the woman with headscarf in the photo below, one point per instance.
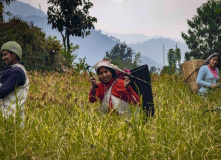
(208, 75)
(114, 93)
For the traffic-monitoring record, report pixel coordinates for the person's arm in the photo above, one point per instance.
(92, 95)
(128, 92)
(16, 77)
(132, 96)
(93, 91)
(200, 78)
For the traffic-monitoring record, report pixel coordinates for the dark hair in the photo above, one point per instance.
(214, 55)
(109, 69)
(10, 52)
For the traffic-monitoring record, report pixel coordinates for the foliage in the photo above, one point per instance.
(204, 36)
(178, 55)
(137, 61)
(171, 58)
(174, 57)
(36, 47)
(167, 70)
(81, 66)
(2, 3)
(61, 124)
(69, 58)
(122, 56)
(218, 8)
(153, 69)
(70, 18)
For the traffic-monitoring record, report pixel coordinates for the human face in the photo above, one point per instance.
(104, 75)
(214, 61)
(8, 58)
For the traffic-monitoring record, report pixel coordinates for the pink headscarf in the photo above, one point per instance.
(105, 63)
(102, 63)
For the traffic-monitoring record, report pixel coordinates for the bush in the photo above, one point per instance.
(37, 48)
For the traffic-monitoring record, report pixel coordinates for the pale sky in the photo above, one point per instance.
(149, 17)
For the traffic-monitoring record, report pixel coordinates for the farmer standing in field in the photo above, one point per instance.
(14, 83)
(208, 75)
(114, 93)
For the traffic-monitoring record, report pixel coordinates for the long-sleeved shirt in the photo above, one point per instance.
(10, 78)
(205, 79)
(118, 90)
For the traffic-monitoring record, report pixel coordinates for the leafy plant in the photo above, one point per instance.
(81, 65)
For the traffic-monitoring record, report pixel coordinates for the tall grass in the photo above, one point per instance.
(60, 123)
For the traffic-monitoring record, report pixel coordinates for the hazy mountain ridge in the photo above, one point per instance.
(24, 9)
(95, 45)
(131, 38)
(153, 48)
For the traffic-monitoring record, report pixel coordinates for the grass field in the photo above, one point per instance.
(61, 124)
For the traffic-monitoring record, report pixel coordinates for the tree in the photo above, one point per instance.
(171, 56)
(123, 56)
(153, 69)
(70, 18)
(218, 8)
(174, 57)
(136, 60)
(178, 55)
(204, 35)
(2, 3)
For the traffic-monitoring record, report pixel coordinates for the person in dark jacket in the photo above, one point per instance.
(14, 83)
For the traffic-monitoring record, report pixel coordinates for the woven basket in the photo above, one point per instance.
(188, 68)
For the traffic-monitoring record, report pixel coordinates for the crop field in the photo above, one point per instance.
(60, 123)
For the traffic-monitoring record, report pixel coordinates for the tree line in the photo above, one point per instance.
(71, 18)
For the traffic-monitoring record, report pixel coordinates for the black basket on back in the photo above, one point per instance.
(143, 89)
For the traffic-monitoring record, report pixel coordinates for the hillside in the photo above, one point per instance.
(131, 38)
(95, 45)
(153, 48)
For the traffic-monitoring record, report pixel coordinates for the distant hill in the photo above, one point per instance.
(95, 45)
(23, 9)
(131, 38)
(153, 48)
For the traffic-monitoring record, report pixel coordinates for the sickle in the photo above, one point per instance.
(90, 72)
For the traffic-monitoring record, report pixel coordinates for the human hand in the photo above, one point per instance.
(214, 86)
(126, 82)
(93, 83)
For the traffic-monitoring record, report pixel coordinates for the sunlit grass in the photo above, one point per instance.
(61, 124)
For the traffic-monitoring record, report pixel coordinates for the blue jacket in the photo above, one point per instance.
(205, 79)
(10, 77)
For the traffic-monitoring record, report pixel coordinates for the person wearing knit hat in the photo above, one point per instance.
(115, 94)
(208, 75)
(13, 76)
